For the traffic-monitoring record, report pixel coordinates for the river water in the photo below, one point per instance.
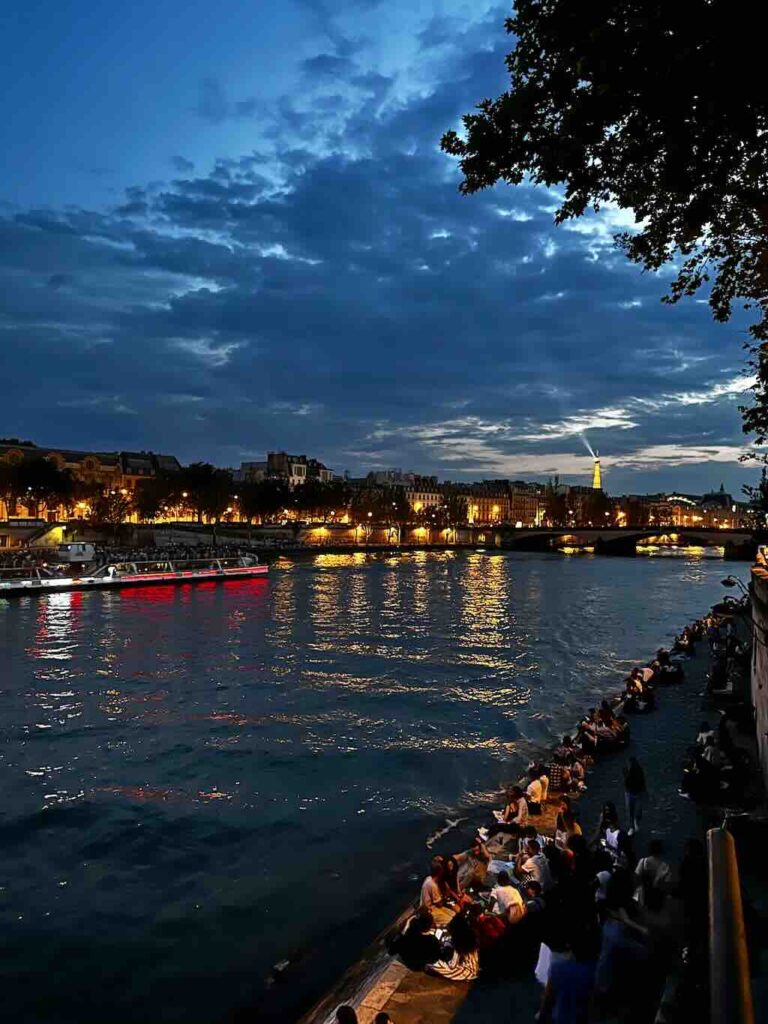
(199, 782)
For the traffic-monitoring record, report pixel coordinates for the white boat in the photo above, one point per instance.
(116, 575)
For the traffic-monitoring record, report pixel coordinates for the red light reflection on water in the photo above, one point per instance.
(162, 593)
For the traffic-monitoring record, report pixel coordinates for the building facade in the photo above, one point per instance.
(488, 502)
(423, 493)
(95, 472)
(526, 503)
(296, 470)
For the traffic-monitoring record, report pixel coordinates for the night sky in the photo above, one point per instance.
(229, 228)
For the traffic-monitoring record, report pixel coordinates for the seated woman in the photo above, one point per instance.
(578, 775)
(634, 683)
(606, 737)
(464, 964)
(534, 794)
(565, 753)
(605, 716)
(683, 644)
(417, 945)
(450, 886)
(706, 732)
(640, 696)
(515, 814)
(566, 824)
(586, 734)
(432, 898)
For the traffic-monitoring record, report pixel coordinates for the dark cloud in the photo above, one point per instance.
(182, 165)
(215, 106)
(328, 65)
(56, 281)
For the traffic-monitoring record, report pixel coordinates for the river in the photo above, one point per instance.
(200, 782)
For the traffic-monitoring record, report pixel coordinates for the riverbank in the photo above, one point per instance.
(660, 741)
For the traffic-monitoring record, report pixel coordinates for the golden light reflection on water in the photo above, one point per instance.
(695, 551)
(392, 603)
(417, 653)
(356, 608)
(283, 609)
(485, 605)
(326, 601)
(341, 560)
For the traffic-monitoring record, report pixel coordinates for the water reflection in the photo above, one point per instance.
(58, 619)
(485, 605)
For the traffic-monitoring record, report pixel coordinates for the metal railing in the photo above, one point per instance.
(176, 565)
(730, 986)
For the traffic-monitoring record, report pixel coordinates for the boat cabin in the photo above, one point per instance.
(76, 551)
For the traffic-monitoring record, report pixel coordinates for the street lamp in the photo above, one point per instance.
(734, 581)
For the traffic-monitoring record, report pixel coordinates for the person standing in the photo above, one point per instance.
(635, 793)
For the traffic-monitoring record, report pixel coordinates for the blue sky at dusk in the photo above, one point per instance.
(229, 228)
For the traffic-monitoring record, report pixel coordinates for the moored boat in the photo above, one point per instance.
(115, 575)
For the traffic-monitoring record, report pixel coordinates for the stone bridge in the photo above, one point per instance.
(623, 540)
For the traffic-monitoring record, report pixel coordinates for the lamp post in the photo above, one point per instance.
(734, 581)
(758, 633)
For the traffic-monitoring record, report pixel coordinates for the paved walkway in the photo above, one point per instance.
(659, 741)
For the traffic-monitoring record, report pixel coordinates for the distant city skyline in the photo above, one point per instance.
(325, 472)
(234, 231)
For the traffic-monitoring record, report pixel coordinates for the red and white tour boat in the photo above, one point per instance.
(116, 575)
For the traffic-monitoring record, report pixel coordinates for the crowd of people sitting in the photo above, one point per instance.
(24, 558)
(176, 552)
(598, 925)
(716, 770)
(729, 653)
(36, 558)
(586, 916)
